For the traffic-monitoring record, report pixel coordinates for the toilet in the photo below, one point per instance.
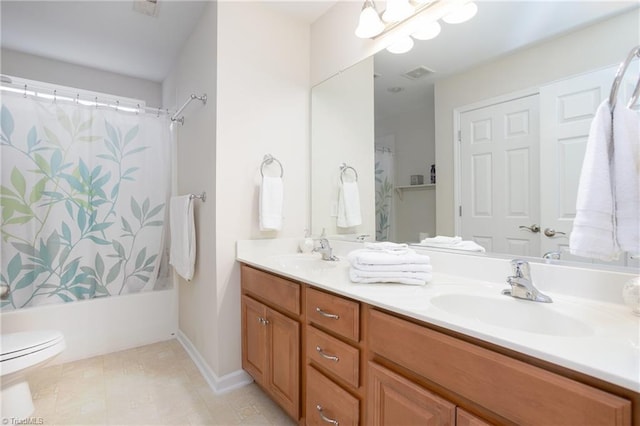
(22, 353)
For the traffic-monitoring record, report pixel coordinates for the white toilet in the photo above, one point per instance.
(21, 353)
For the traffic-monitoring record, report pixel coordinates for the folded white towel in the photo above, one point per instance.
(626, 160)
(349, 205)
(455, 243)
(271, 198)
(413, 278)
(441, 239)
(405, 267)
(593, 227)
(388, 247)
(378, 257)
(182, 254)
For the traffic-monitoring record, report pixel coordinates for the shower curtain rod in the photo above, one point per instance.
(66, 95)
(192, 98)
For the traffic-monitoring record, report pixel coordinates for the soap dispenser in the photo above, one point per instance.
(306, 244)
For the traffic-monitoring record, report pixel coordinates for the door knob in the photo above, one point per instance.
(550, 232)
(533, 228)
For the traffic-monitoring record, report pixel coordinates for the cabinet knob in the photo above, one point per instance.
(326, 356)
(325, 418)
(326, 314)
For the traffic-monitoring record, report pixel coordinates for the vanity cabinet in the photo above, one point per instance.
(333, 353)
(271, 336)
(508, 390)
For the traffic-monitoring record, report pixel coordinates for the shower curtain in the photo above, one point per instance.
(82, 196)
(384, 193)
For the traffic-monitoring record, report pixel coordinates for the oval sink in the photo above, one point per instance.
(507, 312)
(303, 262)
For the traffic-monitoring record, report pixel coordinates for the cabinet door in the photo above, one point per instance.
(254, 339)
(464, 418)
(284, 361)
(394, 400)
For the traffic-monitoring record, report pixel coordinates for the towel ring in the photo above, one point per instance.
(344, 168)
(618, 79)
(268, 159)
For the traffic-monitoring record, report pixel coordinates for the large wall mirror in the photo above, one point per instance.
(516, 65)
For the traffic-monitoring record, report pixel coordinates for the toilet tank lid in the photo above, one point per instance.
(17, 342)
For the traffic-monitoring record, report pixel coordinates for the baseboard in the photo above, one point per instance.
(219, 385)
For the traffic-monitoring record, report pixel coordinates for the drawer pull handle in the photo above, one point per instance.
(325, 356)
(325, 314)
(263, 321)
(325, 418)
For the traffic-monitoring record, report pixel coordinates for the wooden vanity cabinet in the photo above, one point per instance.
(508, 389)
(271, 336)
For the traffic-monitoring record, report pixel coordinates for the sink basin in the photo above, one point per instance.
(303, 262)
(507, 312)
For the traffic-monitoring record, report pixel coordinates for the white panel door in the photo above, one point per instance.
(567, 108)
(499, 188)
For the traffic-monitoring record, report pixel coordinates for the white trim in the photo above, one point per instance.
(218, 385)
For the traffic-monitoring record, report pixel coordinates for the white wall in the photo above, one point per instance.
(593, 47)
(342, 130)
(31, 67)
(414, 133)
(263, 107)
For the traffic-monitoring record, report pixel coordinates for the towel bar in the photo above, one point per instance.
(202, 196)
(268, 159)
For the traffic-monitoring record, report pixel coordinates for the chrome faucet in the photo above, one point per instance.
(522, 284)
(324, 248)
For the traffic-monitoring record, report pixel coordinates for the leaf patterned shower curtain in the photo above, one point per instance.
(82, 196)
(384, 193)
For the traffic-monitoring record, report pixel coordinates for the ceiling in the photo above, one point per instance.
(499, 28)
(111, 36)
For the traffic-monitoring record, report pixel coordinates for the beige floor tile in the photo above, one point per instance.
(156, 384)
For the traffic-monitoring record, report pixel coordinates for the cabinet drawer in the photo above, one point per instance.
(280, 293)
(338, 357)
(533, 395)
(334, 313)
(327, 401)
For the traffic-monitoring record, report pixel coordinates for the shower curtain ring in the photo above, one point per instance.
(96, 102)
(117, 105)
(158, 116)
(77, 97)
(25, 90)
(55, 93)
(138, 110)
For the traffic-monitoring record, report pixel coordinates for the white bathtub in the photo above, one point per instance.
(99, 326)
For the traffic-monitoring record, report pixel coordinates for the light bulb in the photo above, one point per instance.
(369, 24)
(427, 30)
(397, 10)
(401, 45)
(461, 13)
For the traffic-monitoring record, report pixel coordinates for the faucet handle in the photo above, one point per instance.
(520, 268)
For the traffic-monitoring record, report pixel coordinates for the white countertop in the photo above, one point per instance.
(601, 338)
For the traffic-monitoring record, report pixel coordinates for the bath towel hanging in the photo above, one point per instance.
(183, 236)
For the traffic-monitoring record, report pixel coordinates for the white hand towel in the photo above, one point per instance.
(349, 205)
(377, 257)
(395, 277)
(183, 236)
(271, 198)
(626, 160)
(593, 227)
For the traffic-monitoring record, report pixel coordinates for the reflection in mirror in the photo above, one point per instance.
(423, 98)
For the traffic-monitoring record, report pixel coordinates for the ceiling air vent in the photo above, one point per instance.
(146, 7)
(418, 73)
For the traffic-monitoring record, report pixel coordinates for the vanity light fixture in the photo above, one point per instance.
(416, 18)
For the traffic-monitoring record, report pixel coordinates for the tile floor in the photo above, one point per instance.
(156, 384)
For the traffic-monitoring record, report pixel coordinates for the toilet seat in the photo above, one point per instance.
(24, 349)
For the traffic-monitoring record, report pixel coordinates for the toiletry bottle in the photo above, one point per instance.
(433, 173)
(306, 244)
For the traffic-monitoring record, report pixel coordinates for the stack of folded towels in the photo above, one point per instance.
(389, 263)
(456, 243)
